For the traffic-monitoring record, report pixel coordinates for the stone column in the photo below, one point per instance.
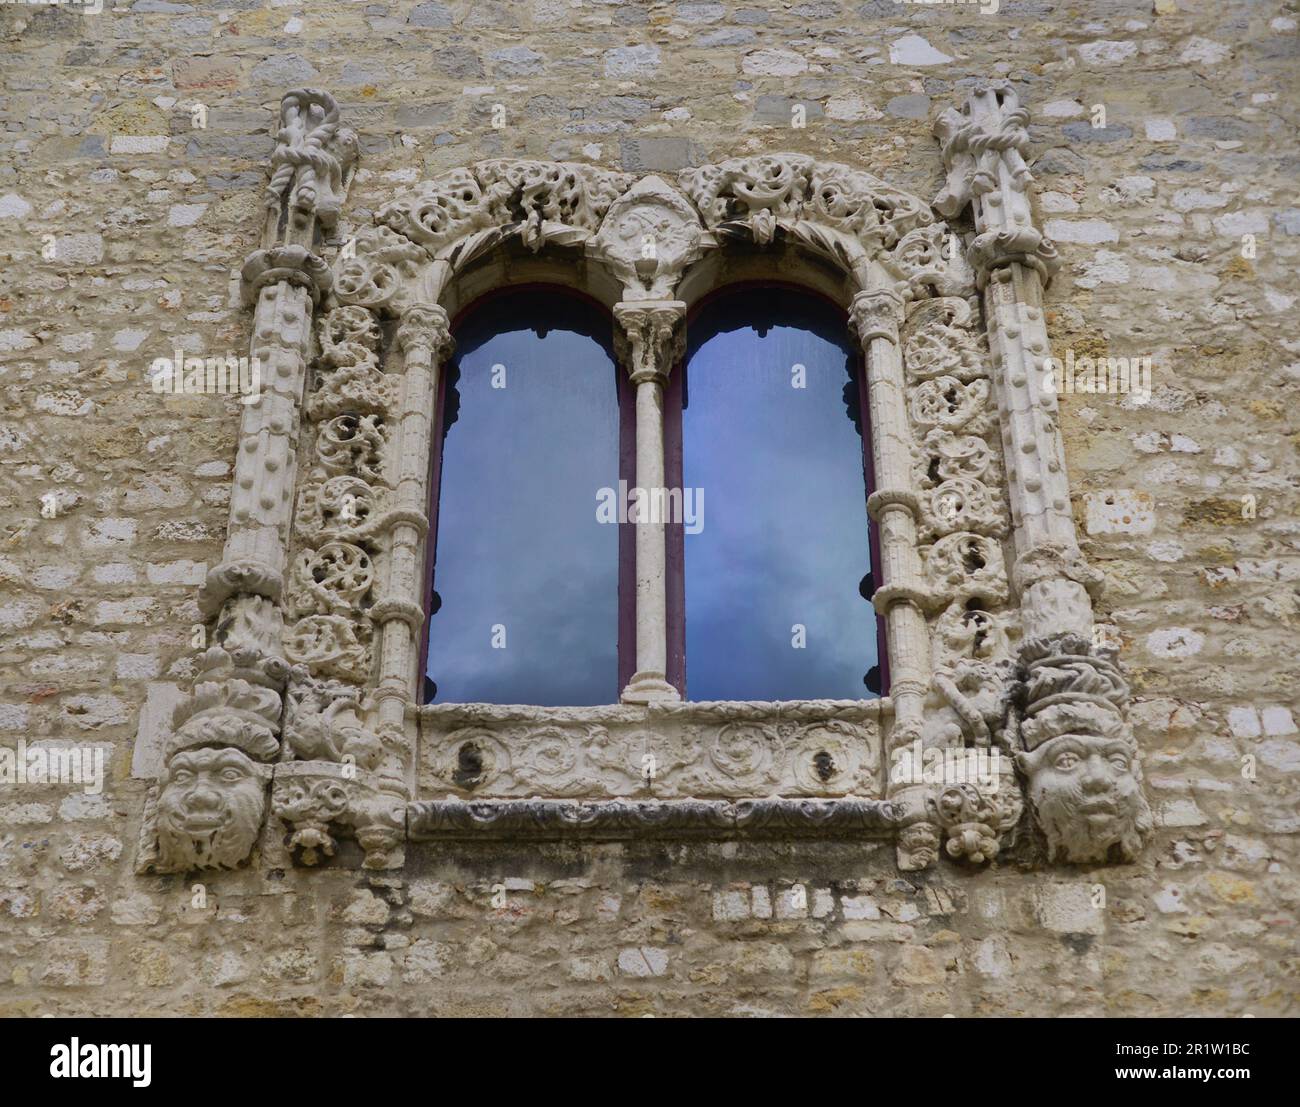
(900, 596)
(424, 337)
(1070, 696)
(983, 146)
(238, 693)
(650, 339)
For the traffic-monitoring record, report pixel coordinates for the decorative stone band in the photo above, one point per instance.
(532, 819)
(726, 751)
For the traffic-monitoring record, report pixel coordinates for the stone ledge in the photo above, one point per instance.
(534, 818)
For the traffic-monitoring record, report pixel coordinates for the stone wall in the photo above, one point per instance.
(134, 154)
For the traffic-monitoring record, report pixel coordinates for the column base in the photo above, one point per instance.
(649, 687)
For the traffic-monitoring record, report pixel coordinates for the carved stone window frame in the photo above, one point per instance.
(311, 683)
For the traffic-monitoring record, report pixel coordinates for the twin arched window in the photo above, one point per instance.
(769, 550)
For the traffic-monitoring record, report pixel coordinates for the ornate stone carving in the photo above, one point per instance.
(650, 338)
(381, 273)
(651, 765)
(462, 212)
(627, 752)
(284, 264)
(983, 147)
(437, 819)
(833, 202)
(1080, 758)
(649, 236)
(314, 158)
(209, 810)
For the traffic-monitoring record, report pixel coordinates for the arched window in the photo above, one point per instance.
(525, 602)
(776, 574)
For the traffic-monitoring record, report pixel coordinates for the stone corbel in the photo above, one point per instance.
(1089, 806)
(207, 807)
(650, 336)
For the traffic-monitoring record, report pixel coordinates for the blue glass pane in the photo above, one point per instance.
(526, 579)
(771, 435)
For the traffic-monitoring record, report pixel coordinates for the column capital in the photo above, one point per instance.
(876, 313)
(425, 327)
(650, 337)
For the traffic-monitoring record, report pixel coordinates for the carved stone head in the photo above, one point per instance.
(1085, 783)
(210, 808)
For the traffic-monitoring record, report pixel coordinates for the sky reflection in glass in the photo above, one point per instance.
(518, 544)
(785, 538)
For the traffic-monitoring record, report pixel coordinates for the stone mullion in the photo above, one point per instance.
(424, 337)
(651, 343)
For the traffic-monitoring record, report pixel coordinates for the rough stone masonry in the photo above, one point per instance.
(1164, 155)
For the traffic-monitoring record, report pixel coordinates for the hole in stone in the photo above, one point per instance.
(824, 764)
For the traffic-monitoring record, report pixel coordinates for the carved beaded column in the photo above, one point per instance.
(1070, 696)
(650, 338)
(983, 148)
(226, 734)
(900, 596)
(424, 337)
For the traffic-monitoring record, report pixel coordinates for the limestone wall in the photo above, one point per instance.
(132, 163)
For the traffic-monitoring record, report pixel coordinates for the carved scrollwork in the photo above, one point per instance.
(334, 579)
(629, 754)
(964, 566)
(380, 273)
(941, 343)
(332, 644)
(353, 443)
(793, 189)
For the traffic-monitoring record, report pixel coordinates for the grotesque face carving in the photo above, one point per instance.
(209, 809)
(1087, 795)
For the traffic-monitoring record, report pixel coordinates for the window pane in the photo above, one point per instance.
(770, 434)
(526, 576)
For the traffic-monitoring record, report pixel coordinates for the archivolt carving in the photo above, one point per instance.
(949, 433)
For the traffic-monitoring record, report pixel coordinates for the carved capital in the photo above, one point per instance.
(293, 264)
(650, 338)
(877, 314)
(424, 328)
(232, 578)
